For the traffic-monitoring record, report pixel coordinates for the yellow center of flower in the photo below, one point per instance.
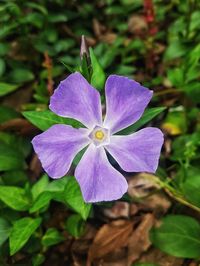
(99, 135)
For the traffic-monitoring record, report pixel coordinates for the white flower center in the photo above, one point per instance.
(100, 136)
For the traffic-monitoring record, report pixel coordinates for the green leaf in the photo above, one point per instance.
(195, 21)
(21, 75)
(4, 48)
(38, 259)
(174, 50)
(191, 186)
(178, 235)
(21, 232)
(6, 88)
(14, 177)
(175, 122)
(148, 115)
(185, 148)
(38, 7)
(192, 91)
(7, 113)
(14, 197)
(54, 190)
(52, 237)
(4, 230)
(98, 76)
(191, 75)
(41, 202)
(10, 158)
(78, 156)
(74, 199)
(57, 185)
(75, 225)
(45, 119)
(18, 144)
(84, 68)
(176, 76)
(2, 67)
(9, 214)
(40, 186)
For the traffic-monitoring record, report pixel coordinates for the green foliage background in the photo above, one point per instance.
(167, 62)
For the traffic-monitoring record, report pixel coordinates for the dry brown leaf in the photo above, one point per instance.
(20, 125)
(102, 33)
(194, 264)
(98, 28)
(121, 262)
(90, 232)
(141, 185)
(35, 166)
(110, 237)
(19, 98)
(108, 37)
(157, 202)
(159, 48)
(119, 209)
(144, 187)
(16, 52)
(134, 208)
(81, 246)
(116, 257)
(139, 240)
(91, 41)
(156, 256)
(168, 147)
(137, 24)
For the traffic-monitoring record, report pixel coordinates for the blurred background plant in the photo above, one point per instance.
(44, 222)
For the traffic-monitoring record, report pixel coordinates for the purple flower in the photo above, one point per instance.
(125, 103)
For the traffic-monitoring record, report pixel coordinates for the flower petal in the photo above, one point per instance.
(77, 99)
(57, 147)
(98, 180)
(138, 152)
(126, 100)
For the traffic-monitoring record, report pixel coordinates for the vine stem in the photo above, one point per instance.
(171, 191)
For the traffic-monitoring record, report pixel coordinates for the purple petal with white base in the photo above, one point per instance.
(57, 147)
(138, 152)
(77, 99)
(126, 100)
(98, 180)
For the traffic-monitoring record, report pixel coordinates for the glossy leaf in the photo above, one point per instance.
(4, 230)
(21, 232)
(6, 88)
(41, 202)
(7, 113)
(178, 235)
(54, 190)
(14, 197)
(52, 237)
(74, 199)
(45, 119)
(40, 186)
(75, 225)
(10, 158)
(21, 75)
(148, 115)
(98, 76)
(38, 259)
(175, 122)
(191, 186)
